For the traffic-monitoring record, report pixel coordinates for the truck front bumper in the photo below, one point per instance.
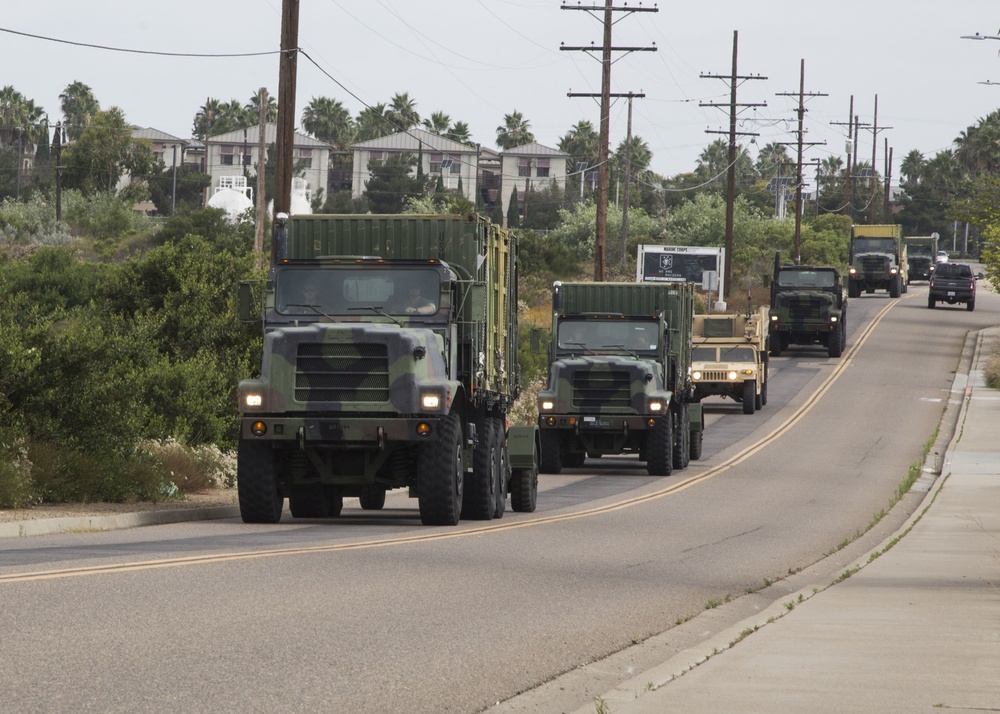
(355, 432)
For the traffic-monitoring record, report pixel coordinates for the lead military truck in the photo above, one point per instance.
(808, 306)
(729, 357)
(361, 390)
(619, 376)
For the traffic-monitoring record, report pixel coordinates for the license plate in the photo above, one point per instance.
(595, 423)
(951, 293)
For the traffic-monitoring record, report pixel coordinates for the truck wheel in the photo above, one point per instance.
(682, 449)
(524, 489)
(336, 500)
(257, 483)
(931, 302)
(894, 287)
(971, 305)
(749, 396)
(309, 501)
(835, 341)
(479, 502)
(659, 445)
(696, 440)
(372, 498)
(763, 390)
(574, 459)
(758, 401)
(775, 341)
(440, 473)
(551, 459)
(503, 470)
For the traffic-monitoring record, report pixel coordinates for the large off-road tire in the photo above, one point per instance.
(573, 459)
(853, 289)
(931, 302)
(775, 342)
(758, 400)
(682, 434)
(336, 501)
(659, 448)
(971, 305)
(749, 396)
(503, 471)
(257, 483)
(835, 341)
(767, 378)
(696, 441)
(372, 498)
(894, 287)
(551, 460)
(440, 474)
(524, 490)
(479, 502)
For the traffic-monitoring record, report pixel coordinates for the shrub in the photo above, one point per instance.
(17, 488)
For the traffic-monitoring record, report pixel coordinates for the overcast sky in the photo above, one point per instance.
(477, 60)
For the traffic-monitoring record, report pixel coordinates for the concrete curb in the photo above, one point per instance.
(50, 526)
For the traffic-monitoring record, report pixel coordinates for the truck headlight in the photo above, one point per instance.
(548, 406)
(252, 400)
(731, 376)
(852, 271)
(774, 318)
(833, 318)
(655, 406)
(430, 401)
(893, 271)
(696, 375)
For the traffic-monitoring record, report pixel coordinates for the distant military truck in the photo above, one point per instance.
(389, 362)
(877, 258)
(620, 376)
(921, 256)
(729, 358)
(808, 307)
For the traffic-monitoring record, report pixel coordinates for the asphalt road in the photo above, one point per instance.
(373, 612)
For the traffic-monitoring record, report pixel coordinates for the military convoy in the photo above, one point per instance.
(619, 376)
(877, 257)
(921, 256)
(389, 361)
(808, 307)
(730, 357)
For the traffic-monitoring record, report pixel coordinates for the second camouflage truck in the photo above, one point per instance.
(729, 358)
(877, 257)
(620, 377)
(921, 256)
(808, 306)
(389, 361)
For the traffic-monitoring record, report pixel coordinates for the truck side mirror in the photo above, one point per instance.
(247, 308)
(536, 339)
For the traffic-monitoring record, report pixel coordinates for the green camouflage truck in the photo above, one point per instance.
(808, 307)
(619, 376)
(389, 361)
(921, 256)
(877, 257)
(729, 357)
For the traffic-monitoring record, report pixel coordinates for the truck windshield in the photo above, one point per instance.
(806, 279)
(876, 245)
(607, 335)
(348, 291)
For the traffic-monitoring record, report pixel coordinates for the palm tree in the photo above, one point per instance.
(372, 123)
(403, 112)
(459, 132)
(205, 119)
(580, 142)
(438, 123)
(912, 166)
(515, 131)
(770, 160)
(979, 146)
(329, 121)
(713, 161)
(78, 107)
(253, 107)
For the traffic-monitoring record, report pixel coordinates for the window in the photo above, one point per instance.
(435, 167)
(304, 158)
(227, 153)
(456, 164)
(524, 167)
(542, 168)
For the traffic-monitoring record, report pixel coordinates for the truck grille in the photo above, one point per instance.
(718, 375)
(342, 372)
(874, 265)
(607, 390)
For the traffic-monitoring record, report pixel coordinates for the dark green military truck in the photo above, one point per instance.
(808, 307)
(878, 260)
(619, 376)
(921, 256)
(389, 361)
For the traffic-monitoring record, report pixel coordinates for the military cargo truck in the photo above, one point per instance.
(921, 256)
(877, 258)
(619, 376)
(389, 361)
(729, 358)
(808, 306)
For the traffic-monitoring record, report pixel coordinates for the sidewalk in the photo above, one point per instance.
(915, 628)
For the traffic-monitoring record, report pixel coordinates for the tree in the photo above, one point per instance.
(402, 112)
(515, 131)
(513, 210)
(391, 185)
(978, 147)
(372, 123)
(252, 108)
(216, 117)
(770, 161)
(79, 106)
(438, 123)
(911, 167)
(104, 152)
(329, 121)
(190, 183)
(713, 162)
(460, 132)
(581, 143)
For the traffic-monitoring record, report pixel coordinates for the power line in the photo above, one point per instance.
(136, 52)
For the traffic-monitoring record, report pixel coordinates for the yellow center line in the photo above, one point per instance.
(532, 522)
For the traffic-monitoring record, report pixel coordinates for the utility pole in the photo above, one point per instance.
(258, 242)
(285, 142)
(57, 148)
(798, 184)
(852, 157)
(628, 180)
(734, 80)
(173, 187)
(872, 186)
(601, 229)
(888, 179)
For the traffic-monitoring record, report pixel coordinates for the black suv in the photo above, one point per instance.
(953, 283)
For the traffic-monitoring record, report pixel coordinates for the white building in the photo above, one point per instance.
(530, 167)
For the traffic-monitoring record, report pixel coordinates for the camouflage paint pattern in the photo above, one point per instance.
(803, 315)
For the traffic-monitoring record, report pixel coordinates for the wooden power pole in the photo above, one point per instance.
(285, 141)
